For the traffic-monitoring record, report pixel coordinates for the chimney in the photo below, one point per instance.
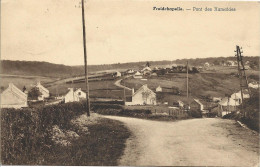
(133, 91)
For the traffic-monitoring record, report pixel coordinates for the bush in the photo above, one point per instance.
(195, 114)
(25, 133)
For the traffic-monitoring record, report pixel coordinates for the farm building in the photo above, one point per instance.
(206, 64)
(74, 95)
(130, 71)
(44, 92)
(143, 96)
(237, 97)
(159, 89)
(117, 74)
(146, 70)
(196, 105)
(227, 105)
(231, 63)
(13, 97)
(253, 85)
(138, 75)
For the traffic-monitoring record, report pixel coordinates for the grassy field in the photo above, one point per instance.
(215, 82)
(21, 81)
(101, 89)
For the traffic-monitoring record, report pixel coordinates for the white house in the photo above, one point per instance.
(118, 74)
(206, 64)
(254, 85)
(143, 96)
(158, 89)
(237, 97)
(13, 97)
(146, 69)
(231, 63)
(74, 95)
(138, 75)
(227, 105)
(130, 71)
(45, 92)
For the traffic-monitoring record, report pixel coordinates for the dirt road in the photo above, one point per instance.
(194, 142)
(118, 84)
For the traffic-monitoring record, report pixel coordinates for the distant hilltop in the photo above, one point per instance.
(36, 68)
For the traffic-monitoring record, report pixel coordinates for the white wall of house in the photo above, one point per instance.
(159, 89)
(143, 96)
(71, 96)
(80, 94)
(45, 92)
(13, 97)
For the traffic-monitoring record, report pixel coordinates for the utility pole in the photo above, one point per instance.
(242, 76)
(85, 58)
(188, 85)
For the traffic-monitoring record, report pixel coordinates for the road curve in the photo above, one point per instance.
(118, 84)
(194, 142)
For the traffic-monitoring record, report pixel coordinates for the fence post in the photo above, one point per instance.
(169, 112)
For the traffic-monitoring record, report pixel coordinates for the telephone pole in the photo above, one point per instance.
(85, 58)
(188, 85)
(242, 76)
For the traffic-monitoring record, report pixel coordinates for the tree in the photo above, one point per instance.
(34, 93)
(148, 64)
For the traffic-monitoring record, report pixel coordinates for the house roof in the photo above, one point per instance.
(143, 88)
(16, 91)
(138, 73)
(197, 101)
(39, 85)
(146, 68)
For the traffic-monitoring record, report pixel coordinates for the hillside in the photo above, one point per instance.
(34, 68)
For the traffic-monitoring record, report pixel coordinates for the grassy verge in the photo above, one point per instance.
(60, 135)
(103, 145)
(144, 113)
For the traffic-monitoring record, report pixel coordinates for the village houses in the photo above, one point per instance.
(12, 97)
(44, 92)
(143, 96)
(74, 95)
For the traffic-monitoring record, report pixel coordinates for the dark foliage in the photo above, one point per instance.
(34, 93)
(24, 133)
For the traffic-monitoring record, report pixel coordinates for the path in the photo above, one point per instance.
(194, 142)
(118, 84)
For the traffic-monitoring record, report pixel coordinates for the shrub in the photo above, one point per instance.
(25, 133)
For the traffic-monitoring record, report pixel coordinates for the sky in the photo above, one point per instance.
(121, 31)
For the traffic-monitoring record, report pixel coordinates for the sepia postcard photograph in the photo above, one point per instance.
(129, 83)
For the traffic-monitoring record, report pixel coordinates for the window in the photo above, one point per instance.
(79, 93)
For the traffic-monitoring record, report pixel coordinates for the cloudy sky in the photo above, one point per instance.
(125, 31)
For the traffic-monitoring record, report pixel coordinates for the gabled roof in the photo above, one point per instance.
(197, 101)
(138, 73)
(39, 85)
(143, 88)
(17, 92)
(147, 68)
